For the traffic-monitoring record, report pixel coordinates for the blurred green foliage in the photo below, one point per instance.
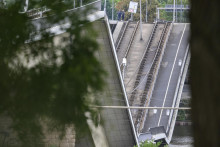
(150, 144)
(151, 9)
(181, 16)
(184, 115)
(44, 82)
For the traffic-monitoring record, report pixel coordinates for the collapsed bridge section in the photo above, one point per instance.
(154, 76)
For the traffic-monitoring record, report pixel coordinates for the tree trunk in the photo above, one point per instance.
(205, 72)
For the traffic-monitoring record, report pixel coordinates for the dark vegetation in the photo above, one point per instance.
(56, 92)
(42, 82)
(184, 115)
(205, 71)
(151, 7)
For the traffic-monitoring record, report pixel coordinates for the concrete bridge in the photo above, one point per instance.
(153, 76)
(117, 129)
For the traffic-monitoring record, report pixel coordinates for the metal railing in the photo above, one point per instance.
(42, 12)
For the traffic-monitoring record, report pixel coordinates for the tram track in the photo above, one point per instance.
(149, 87)
(126, 40)
(148, 65)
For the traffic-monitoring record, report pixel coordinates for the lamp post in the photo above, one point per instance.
(174, 10)
(156, 14)
(181, 12)
(80, 3)
(146, 10)
(112, 9)
(105, 7)
(140, 23)
(26, 5)
(131, 15)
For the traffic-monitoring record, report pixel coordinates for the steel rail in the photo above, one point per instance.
(148, 43)
(146, 104)
(140, 70)
(149, 75)
(122, 35)
(151, 82)
(132, 39)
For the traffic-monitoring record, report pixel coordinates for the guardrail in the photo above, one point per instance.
(120, 77)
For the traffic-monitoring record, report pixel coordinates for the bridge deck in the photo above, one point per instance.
(166, 83)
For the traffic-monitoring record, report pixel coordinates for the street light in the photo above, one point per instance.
(140, 23)
(181, 12)
(174, 10)
(131, 15)
(146, 10)
(112, 9)
(26, 5)
(105, 7)
(80, 3)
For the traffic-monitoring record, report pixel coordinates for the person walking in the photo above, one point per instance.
(123, 15)
(119, 15)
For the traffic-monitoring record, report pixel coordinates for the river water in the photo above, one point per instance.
(182, 137)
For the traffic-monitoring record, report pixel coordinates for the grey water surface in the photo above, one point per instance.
(182, 137)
